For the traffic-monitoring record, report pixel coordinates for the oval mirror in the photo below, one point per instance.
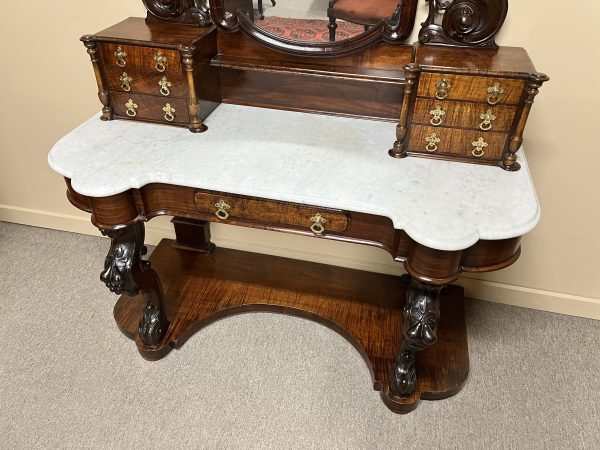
(317, 27)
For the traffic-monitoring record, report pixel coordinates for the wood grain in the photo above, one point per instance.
(471, 88)
(141, 58)
(365, 308)
(464, 114)
(136, 31)
(425, 264)
(273, 212)
(457, 141)
(511, 62)
(145, 81)
(150, 107)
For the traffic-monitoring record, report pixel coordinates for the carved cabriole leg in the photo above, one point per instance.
(509, 160)
(92, 48)
(126, 272)
(187, 57)
(421, 318)
(399, 148)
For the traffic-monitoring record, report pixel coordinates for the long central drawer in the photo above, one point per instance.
(228, 207)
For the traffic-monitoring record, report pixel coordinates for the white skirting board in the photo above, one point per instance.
(323, 251)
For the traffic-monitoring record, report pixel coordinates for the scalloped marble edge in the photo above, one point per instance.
(450, 232)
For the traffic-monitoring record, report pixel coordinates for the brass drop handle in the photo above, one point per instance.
(443, 86)
(494, 92)
(165, 86)
(126, 81)
(169, 112)
(317, 226)
(121, 55)
(479, 145)
(222, 209)
(487, 119)
(437, 113)
(131, 108)
(161, 62)
(432, 141)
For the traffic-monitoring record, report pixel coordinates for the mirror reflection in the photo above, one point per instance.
(317, 20)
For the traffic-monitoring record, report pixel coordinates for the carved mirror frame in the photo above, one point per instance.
(394, 30)
(464, 23)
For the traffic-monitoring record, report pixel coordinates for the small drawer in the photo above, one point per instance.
(455, 141)
(151, 59)
(145, 81)
(309, 218)
(493, 91)
(485, 118)
(150, 107)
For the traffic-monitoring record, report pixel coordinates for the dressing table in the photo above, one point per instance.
(326, 175)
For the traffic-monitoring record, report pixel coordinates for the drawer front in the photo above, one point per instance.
(149, 107)
(470, 88)
(142, 58)
(454, 141)
(145, 81)
(464, 114)
(271, 212)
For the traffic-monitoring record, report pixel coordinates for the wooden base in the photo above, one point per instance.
(364, 307)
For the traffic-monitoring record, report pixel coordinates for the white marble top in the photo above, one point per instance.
(305, 158)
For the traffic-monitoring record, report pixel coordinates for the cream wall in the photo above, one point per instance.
(47, 88)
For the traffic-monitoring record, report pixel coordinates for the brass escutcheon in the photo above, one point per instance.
(443, 86)
(121, 55)
(479, 145)
(494, 93)
(169, 112)
(165, 86)
(318, 222)
(126, 81)
(161, 62)
(432, 141)
(222, 209)
(437, 113)
(487, 118)
(131, 108)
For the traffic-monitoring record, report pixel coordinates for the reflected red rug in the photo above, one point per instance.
(307, 30)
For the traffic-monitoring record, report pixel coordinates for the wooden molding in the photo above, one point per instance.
(370, 259)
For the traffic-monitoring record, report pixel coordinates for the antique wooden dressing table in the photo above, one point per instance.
(326, 176)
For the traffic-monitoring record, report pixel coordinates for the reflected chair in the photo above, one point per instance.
(363, 12)
(260, 8)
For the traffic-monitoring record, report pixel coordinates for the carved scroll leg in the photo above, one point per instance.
(126, 272)
(421, 318)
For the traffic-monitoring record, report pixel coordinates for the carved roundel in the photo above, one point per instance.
(464, 22)
(168, 9)
(473, 21)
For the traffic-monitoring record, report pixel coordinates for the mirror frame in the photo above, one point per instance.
(396, 30)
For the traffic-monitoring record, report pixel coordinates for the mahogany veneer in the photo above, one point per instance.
(365, 308)
(163, 75)
(474, 103)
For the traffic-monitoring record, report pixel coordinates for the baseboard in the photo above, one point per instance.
(327, 252)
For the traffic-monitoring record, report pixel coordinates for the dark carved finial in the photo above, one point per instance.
(465, 23)
(186, 12)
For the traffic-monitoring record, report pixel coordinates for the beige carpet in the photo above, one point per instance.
(69, 379)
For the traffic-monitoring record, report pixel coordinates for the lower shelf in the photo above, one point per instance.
(364, 307)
